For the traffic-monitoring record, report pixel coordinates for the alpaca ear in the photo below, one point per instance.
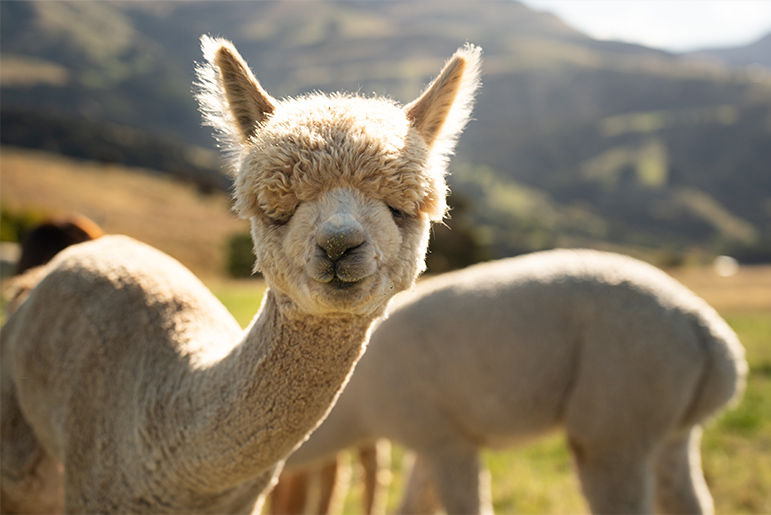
(441, 112)
(231, 98)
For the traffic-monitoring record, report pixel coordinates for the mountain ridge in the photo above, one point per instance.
(757, 52)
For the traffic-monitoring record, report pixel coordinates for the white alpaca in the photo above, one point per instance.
(129, 386)
(622, 357)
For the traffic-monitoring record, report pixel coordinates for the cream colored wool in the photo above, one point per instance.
(128, 388)
(618, 355)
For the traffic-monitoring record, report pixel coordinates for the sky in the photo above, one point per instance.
(673, 25)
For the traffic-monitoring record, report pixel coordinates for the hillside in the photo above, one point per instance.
(756, 53)
(180, 220)
(575, 142)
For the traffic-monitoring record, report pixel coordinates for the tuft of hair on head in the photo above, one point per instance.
(230, 98)
(444, 108)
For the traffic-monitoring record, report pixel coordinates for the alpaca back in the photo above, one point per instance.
(723, 367)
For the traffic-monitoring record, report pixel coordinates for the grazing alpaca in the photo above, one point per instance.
(49, 238)
(622, 357)
(123, 369)
(41, 244)
(291, 495)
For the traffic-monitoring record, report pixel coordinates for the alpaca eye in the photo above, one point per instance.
(279, 218)
(398, 214)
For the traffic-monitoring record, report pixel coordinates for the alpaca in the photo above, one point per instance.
(292, 494)
(627, 361)
(47, 239)
(129, 387)
(38, 246)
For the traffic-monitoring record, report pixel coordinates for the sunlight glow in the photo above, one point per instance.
(673, 25)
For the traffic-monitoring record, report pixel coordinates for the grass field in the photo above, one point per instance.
(539, 478)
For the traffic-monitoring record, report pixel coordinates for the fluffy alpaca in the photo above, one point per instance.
(124, 372)
(622, 357)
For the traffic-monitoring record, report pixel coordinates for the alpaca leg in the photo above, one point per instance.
(420, 496)
(289, 495)
(30, 479)
(462, 481)
(615, 480)
(327, 477)
(333, 482)
(680, 485)
(376, 464)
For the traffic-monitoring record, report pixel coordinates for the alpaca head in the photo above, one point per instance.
(340, 189)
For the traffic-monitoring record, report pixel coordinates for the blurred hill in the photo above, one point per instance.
(575, 142)
(758, 52)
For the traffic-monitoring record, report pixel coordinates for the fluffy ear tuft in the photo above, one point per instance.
(231, 99)
(444, 108)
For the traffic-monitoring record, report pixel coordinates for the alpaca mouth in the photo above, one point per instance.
(343, 274)
(339, 284)
(337, 278)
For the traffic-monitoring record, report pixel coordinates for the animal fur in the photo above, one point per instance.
(628, 362)
(127, 384)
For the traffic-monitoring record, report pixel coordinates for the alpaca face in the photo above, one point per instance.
(337, 191)
(340, 190)
(342, 252)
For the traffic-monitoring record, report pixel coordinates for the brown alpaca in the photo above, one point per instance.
(38, 247)
(123, 370)
(49, 238)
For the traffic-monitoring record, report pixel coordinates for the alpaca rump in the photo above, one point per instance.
(618, 355)
(127, 387)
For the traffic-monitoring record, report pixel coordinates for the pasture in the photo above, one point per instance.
(538, 477)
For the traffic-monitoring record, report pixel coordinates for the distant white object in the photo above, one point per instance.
(725, 266)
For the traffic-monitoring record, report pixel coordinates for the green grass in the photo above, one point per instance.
(538, 477)
(535, 478)
(737, 446)
(242, 297)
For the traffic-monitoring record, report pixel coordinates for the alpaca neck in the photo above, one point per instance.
(258, 402)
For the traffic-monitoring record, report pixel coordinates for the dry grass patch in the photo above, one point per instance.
(146, 205)
(747, 291)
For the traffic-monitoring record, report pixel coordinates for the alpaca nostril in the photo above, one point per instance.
(337, 247)
(337, 239)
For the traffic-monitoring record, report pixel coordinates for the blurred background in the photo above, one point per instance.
(660, 151)
(642, 127)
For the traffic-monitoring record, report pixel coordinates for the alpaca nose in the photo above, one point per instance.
(339, 234)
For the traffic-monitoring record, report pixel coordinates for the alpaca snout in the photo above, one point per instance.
(344, 255)
(352, 266)
(339, 235)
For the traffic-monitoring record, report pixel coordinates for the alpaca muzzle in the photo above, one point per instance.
(344, 255)
(340, 235)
